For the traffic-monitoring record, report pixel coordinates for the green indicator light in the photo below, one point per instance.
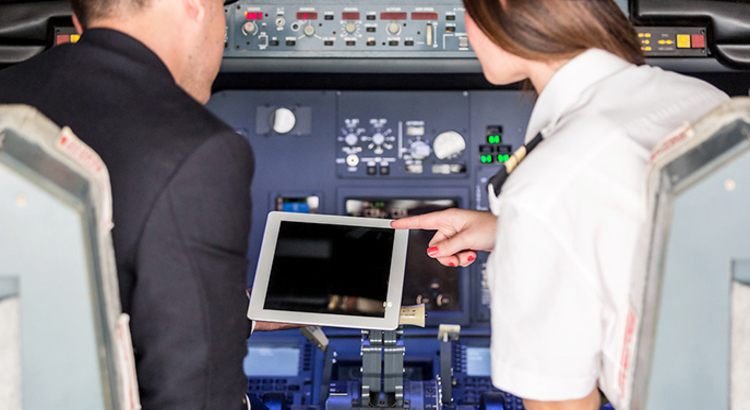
(493, 139)
(485, 159)
(503, 158)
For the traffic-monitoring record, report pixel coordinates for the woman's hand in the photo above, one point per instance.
(460, 232)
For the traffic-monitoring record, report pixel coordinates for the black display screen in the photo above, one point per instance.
(426, 281)
(334, 269)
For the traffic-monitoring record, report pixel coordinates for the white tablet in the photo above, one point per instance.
(330, 271)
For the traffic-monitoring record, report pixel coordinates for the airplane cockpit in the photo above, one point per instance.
(379, 109)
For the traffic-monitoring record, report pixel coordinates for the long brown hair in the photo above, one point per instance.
(547, 30)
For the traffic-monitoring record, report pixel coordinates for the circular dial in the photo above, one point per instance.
(394, 28)
(283, 120)
(352, 160)
(249, 28)
(351, 139)
(420, 150)
(350, 27)
(378, 139)
(448, 144)
(309, 30)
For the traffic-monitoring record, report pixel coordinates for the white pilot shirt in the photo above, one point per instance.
(568, 220)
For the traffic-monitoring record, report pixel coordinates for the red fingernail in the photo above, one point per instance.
(470, 258)
(432, 251)
(452, 264)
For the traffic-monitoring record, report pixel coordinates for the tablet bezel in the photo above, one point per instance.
(256, 311)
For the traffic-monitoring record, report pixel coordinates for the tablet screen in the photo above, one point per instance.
(336, 269)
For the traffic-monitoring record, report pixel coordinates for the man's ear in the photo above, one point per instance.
(77, 24)
(196, 9)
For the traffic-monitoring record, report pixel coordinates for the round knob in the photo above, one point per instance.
(378, 138)
(249, 28)
(350, 27)
(309, 30)
(283, 120)
(448, 144)
(394, 28)
(425, 298)
(352, 160)
(420, 150)
(443, 300)
(351, 139)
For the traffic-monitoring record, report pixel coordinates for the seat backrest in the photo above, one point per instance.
(60, 314)
(686, 343)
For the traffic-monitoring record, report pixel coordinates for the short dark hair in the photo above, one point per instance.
(90, 10)
(544, 30)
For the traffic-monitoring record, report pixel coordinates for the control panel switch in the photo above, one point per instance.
(463, 43)
(441, 169)
(698, 41)
(683, 41)
(414, 169)
(429, 34)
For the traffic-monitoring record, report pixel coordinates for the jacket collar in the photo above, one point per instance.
(125, 45)
(566, 86)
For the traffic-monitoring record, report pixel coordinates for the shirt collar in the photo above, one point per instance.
(566, 86)
(125, 45)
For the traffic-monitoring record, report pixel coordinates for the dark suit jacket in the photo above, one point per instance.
(180, 184)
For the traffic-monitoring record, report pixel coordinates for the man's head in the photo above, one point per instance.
(92, 10)
(187, 35)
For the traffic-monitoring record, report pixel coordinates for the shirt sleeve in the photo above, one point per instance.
(546, 312)
(188, 306)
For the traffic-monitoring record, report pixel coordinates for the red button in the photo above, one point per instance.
(62, 39)
(698, 41)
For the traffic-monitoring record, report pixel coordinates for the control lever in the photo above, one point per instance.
(447, 334)
(316, 336)
(325, 380)
(412, 315)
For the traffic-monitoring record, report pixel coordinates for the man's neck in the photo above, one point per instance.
(156, 37)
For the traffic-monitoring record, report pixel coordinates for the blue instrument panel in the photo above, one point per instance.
(380, 154)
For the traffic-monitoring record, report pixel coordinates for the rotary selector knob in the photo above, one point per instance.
(448, 144)
(249, 28)
(378, 138)
(283, 120)
(394, 28)
(351, 139)
(350, 27)
(309, 30)
(420, 150)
